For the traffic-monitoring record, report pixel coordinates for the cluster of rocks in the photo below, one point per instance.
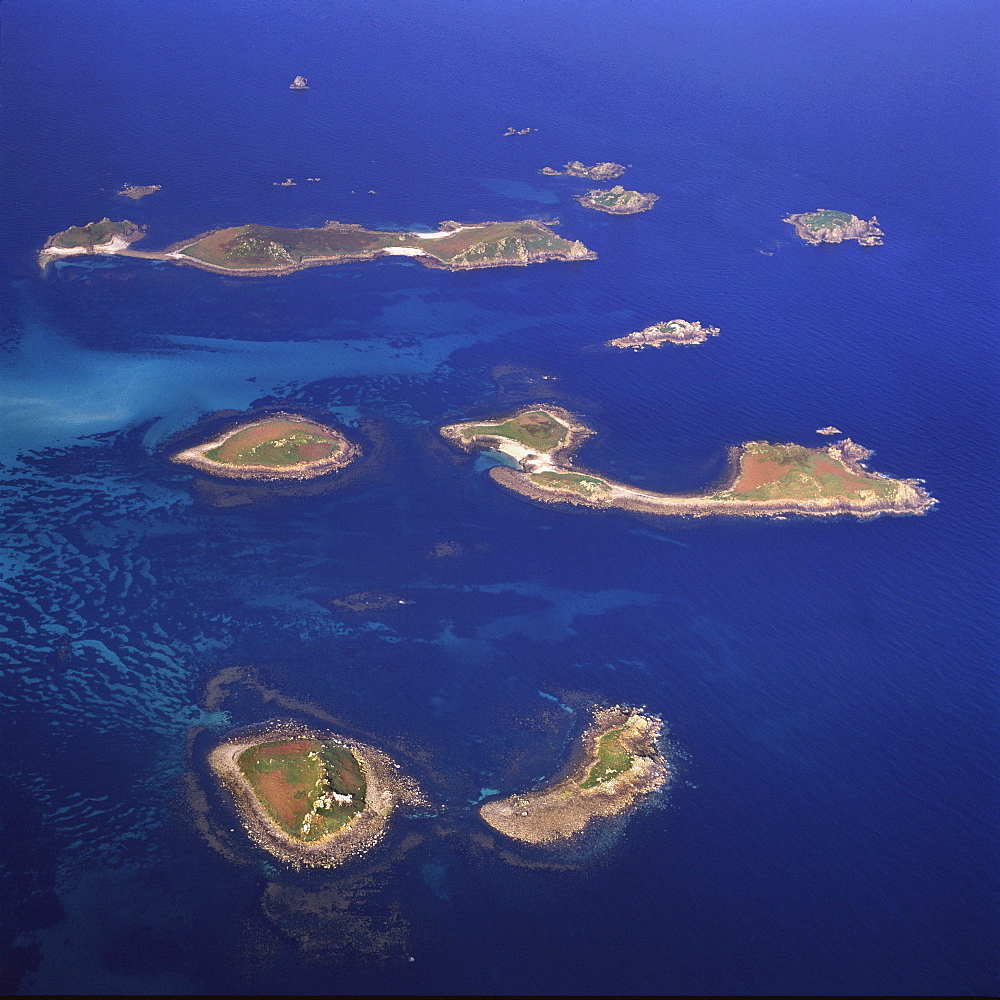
(137, 191)
(617, 201)
(604, 171)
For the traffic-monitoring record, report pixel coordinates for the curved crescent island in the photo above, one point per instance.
(256, 250)
(619, 763)
(310, 798)
(281, 446)
(765, 480)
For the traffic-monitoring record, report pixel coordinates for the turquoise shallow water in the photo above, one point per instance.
(827, 686)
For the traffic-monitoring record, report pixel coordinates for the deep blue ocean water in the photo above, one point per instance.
(828, 686)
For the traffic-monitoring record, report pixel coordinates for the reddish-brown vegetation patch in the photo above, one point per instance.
(756, 471)
(286, 799)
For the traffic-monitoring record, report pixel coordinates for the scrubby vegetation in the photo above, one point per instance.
(586, 486)
(278, 443)
(92, 234)
(826, 219)
(309, 788)
(612, 759)
(535, 429)
(255, 247)
(793, 472)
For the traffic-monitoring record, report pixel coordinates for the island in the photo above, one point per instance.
(764, 479)
(605, 171)
(137, 191)
(280, 446)
(617, 765)
(256, 250)
(95, 237)
(674, 331)
(309, 797)
(617, 200)
(826, 226)
(299, 83)
(829, 431)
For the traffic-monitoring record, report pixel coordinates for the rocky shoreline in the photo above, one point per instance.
(675, 331)
(196, 458)
(549, 477)
(915, 500)
(572, 250)
(810, 226)
(564, 809)
(622, 202)
(605, 171)
(386, 789)
(577, 433)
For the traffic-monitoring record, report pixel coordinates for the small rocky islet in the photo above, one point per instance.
(279, 446)
(674, 331)
(827, 226)
(310, 798)
(604, 171)
(617, 200)
(619, 763)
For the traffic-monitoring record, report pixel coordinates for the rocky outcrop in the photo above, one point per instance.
(675, 331)
(605, 171)
(617, 201)
(299, 83)
(827, 226)
(137, 191)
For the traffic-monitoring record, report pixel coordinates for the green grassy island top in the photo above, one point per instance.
(309, 788)
(765, 479)
(310, 798)
(618, 763)
(105, 236)
(268, 250)
(617, 200)
(281, 446)
(827, 226)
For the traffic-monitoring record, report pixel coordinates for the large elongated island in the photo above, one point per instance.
(765, 479)
(255, 250)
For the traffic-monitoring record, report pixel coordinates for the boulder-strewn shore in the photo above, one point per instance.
(617, 201)
(605, 171)
(387, 788)
(827, 226)
(197, 458)
(137, 191)
(764, 479)
(674, 331)
(264, 251)
(618, 764)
